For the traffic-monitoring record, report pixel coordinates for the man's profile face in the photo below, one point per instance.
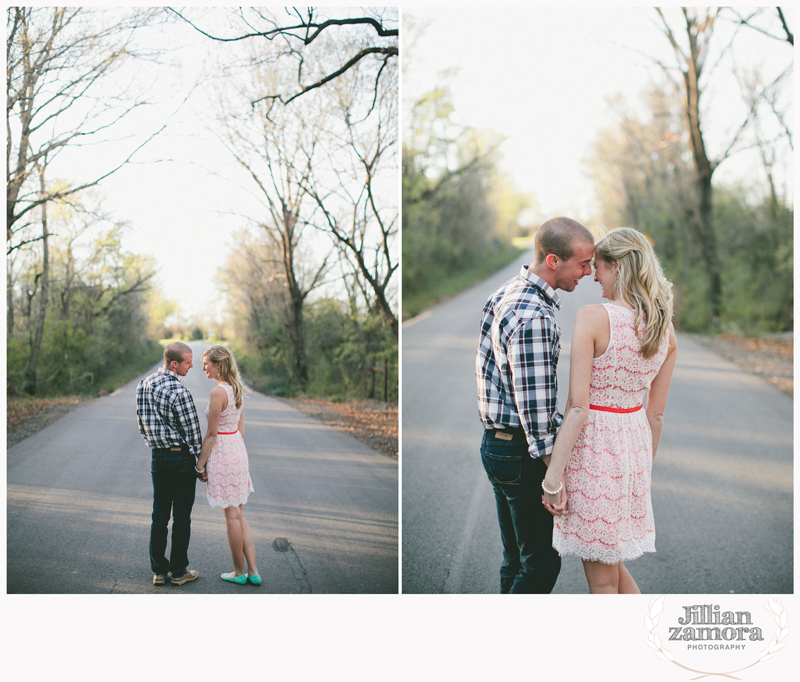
(182, 368)
(568, 273)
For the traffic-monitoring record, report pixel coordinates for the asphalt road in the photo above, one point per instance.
(722, 479)
(324, 513)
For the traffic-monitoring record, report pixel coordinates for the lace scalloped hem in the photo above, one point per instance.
(224, 504)
(605, 556)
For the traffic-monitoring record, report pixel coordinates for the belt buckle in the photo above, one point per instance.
(502, 435)
(178, 449)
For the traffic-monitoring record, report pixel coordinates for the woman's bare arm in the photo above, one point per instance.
(659, 390)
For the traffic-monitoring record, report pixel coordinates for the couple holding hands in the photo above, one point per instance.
(180, 455)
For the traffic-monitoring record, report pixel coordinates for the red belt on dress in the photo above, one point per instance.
(618, 410)
(227, 433)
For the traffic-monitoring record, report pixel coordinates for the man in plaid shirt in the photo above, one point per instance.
(169, 425)
(517, 385)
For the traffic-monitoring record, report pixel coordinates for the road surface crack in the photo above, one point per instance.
(283, 546)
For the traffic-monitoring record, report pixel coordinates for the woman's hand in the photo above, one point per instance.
(555, 503)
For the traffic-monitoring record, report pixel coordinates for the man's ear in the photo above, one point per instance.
(551, 260)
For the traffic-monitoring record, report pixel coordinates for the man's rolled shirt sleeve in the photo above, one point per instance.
(532, 358)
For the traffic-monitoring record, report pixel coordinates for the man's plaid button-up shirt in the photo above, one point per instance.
(516, 361)
(166, 413)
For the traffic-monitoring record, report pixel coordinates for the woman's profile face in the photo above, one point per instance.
(210, 368)
(605, 273)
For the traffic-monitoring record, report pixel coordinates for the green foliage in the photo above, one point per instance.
(459, 212)
(347, 345)
(643, 175)
(758, 256)
(449, 284)
(97, 316)
(348, 354)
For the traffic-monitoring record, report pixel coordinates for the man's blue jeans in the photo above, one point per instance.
(174, 480)
(530, 564)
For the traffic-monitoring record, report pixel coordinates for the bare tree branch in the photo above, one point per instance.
(306, 31)
(747, 21)
(391, 51)
(303, 26)
(789, 34)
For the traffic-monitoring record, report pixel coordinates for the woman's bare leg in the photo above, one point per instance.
(627, 585)
(233, 521)
(249, 546)
(602, 578)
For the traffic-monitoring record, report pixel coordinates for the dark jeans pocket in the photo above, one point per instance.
(505, 470)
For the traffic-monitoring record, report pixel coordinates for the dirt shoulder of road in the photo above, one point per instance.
(370, 421)
(26, 416)
(376, 423)
(771, 358)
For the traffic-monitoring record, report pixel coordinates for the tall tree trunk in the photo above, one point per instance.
(36, 344)
(296, 299)
(704, 169)
(298, 336)
(708, 240)
(698, 33)
(9, 303)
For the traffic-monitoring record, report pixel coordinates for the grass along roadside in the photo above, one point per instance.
(375, 423)
(446, 287)
(25, 415)
(370, 421)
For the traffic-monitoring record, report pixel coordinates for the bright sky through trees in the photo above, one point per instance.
(540, 76)
(183, 195)
(537, 76)
(176, 192)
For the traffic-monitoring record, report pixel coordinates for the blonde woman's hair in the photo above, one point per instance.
(228, 370)
(641, 283)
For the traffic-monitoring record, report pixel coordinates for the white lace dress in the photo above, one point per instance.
(229, 481)
(610, 515)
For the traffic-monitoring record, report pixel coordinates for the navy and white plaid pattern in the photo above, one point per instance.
(516, 362)
(166, 413)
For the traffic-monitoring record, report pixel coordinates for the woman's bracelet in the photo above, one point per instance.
(553, 492)
(199, 471)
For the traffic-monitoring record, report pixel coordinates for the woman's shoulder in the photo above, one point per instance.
(219, 392)
(593, 313)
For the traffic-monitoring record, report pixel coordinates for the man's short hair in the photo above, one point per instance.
(559, 236)
(177, 351)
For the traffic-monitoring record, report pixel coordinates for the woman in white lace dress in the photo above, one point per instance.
(598, 480)
(223, 462)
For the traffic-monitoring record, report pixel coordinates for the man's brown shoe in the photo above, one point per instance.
(159, 578)
(185, 578)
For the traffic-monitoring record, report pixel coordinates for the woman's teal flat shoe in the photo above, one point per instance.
(255, 579)
(238, 579)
